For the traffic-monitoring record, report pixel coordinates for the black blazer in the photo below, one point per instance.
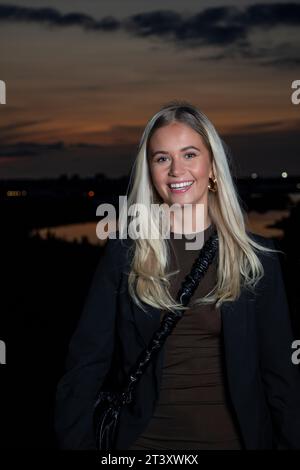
(264, 384)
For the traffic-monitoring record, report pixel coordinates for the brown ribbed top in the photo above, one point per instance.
(193, 410)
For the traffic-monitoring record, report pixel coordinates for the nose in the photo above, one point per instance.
(176, 167)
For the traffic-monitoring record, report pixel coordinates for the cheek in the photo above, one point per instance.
(158, 176)
(201, 170)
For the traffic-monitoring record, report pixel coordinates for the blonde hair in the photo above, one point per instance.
(238, 264)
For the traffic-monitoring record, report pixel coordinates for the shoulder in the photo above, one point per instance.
(272, 261)
(261, 240)
(266, 257)
(117, 250)
(113, 260)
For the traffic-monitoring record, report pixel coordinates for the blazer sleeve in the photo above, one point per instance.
(281, 378)
(89, 356)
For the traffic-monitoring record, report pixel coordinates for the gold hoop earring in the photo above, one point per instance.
(212, 185)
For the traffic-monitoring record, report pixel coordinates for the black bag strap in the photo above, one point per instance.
(170, 319)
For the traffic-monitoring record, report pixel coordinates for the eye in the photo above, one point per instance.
(163, 158)
(158, 160)
(193, 154)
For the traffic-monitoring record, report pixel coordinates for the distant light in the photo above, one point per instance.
(254, 175)
(91, 194)
(13, 193)
(284, 174)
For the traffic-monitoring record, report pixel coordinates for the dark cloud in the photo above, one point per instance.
(272, 14)
(207, 27)
(213, 25)
(12, 130)
(53, 17)
(154, 23)
(20, 125)
(261, 126)
(287, 62)
(227, 27)
(26, 149)
(285, 55)
(52, 160)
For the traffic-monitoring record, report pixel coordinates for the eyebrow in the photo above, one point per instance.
(181, 150)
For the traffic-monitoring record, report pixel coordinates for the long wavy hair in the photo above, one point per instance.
(238, 264)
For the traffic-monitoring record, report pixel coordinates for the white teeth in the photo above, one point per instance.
(180, 185)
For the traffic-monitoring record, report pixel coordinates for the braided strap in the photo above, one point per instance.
(169, 321)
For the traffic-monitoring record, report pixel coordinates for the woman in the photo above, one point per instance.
(224, 378)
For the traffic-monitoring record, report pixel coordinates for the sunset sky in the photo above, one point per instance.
(84, 77)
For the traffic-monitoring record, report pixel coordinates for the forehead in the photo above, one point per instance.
(173, 136)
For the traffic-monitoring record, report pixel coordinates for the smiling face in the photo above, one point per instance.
(178, 155)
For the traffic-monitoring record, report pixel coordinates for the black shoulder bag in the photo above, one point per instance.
(108, 404)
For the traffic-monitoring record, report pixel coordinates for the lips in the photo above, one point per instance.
(182, 189)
